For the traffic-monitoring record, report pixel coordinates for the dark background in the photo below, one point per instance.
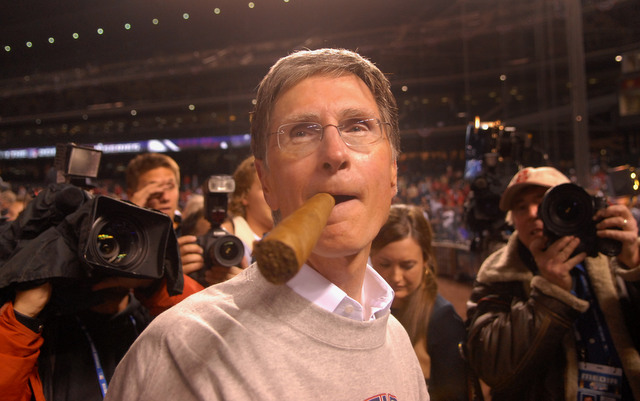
(445, 60)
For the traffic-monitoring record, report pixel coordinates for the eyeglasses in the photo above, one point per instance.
(304, 137)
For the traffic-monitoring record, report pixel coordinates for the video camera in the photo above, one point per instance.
(123, 238)
(493, 154)
(66, 233)
(220, 248)
(568, 209)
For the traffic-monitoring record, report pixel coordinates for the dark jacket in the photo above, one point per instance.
(56, 363)
(448, 381)
(520, 328)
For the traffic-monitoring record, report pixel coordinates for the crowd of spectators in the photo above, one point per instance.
(432, 180)
(441, 192)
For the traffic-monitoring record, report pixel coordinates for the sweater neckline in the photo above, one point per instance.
(303, 316)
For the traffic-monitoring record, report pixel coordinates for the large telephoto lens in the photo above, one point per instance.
(116, 242)
(567, 209)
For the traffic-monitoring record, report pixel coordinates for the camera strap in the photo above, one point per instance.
(102, 380)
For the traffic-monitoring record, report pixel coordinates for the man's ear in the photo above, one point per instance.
(267, 185)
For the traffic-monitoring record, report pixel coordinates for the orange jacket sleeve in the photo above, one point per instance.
(160, 300)
(19, 350)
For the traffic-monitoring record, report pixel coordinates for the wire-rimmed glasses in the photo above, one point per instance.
(304, 137)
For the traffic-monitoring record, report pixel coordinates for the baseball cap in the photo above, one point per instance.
(540, 176)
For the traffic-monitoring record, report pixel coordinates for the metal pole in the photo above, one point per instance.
(577, 78)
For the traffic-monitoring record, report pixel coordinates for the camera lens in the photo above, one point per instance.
(108, 247)
(567, 209)
(116, 241)
(228, 251)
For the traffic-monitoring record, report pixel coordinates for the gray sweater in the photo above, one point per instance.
(247, 339)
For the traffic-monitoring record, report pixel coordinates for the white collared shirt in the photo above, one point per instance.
(377, 295)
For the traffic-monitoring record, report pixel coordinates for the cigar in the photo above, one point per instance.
(281, 254)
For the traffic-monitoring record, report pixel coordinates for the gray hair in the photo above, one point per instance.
(292, 69)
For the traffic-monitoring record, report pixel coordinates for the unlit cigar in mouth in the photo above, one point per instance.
(285, 249)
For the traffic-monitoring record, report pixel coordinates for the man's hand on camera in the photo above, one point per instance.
(555, 261)
(190, 254)
(618, 224)
(31, 302)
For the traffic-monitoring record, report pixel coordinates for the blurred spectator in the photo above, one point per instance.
(250, 216)
(193, 220)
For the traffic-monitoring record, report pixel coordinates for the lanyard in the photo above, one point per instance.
(102, 380)
(588, 296)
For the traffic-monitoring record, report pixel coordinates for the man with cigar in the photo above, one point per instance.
(325, 122)
(546, 321)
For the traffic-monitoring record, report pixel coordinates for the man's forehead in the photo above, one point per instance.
(356, 104)
(156, 175)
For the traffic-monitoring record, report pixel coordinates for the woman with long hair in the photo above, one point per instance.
(403, 255)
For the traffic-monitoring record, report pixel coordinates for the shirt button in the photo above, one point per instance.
(348, 309)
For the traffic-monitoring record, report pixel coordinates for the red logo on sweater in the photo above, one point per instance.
(382, 397)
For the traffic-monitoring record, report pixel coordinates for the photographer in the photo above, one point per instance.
(65, 323)
(153, 181)
(547, 322)
(249, 218)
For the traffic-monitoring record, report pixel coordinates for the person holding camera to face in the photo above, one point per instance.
(555, 314)
(248, 218)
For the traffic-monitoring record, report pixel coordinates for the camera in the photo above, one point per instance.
(67, 233)
(126, 240)
(568, 209)
(220, 248)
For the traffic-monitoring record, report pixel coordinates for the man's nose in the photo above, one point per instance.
(334, 149)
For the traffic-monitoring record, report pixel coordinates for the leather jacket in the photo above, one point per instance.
(521, 340)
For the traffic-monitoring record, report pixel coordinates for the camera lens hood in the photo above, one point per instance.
(125, 239)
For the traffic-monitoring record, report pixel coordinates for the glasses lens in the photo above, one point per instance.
(360, 131)
(297, 136)
(305, 136)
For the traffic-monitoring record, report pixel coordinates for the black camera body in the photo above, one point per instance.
(568, 209)
(220, 248)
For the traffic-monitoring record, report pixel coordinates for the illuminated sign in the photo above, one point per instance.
(151, 145)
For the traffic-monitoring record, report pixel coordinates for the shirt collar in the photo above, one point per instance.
(377, 295)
